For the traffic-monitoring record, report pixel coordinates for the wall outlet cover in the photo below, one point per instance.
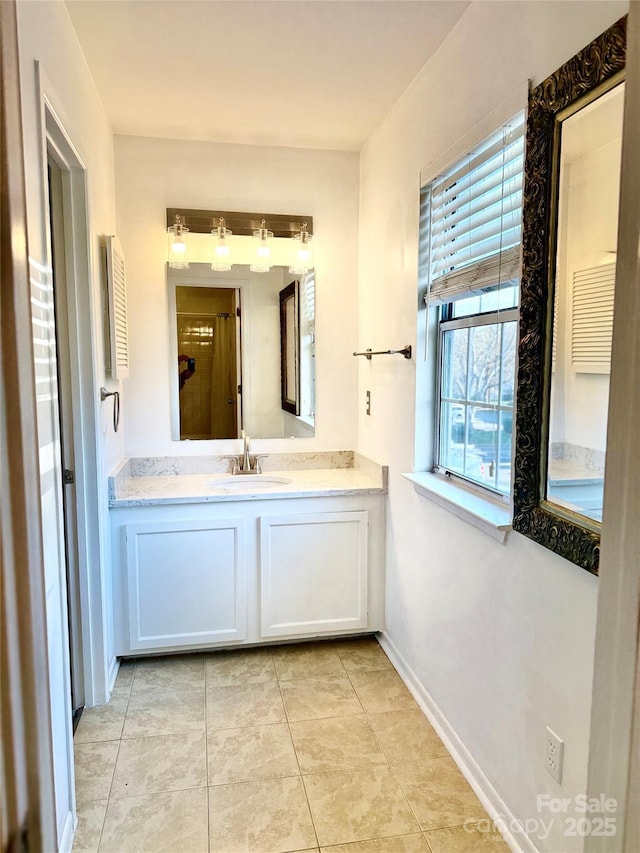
(554, 754)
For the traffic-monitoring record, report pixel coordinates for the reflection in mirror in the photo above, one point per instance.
(589, 179)
(289, 347)
(226, 367)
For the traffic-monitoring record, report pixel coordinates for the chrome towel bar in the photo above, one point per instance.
(405, 351)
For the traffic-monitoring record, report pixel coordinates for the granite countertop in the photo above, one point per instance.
(161, 481)
(567, 472)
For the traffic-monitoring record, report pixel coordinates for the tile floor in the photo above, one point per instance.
(316, 747)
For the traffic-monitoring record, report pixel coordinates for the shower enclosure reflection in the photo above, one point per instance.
(226, 361)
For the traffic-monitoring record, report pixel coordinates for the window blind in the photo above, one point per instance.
(472, 215)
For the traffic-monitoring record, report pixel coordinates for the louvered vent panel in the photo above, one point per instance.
(116, 282)
(309, 301)
(592, 318)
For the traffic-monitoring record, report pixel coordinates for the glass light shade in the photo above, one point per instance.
(177, 253)
(262, 239)
(302, 260)
(221, 254)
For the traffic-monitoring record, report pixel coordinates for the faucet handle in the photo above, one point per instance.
(257, 464)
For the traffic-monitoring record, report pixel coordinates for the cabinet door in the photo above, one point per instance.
(313, 570)
(186, 582)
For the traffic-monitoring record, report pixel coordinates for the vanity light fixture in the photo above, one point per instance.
(221, 254)
(262, 238)
(177, 247)
(302, 257)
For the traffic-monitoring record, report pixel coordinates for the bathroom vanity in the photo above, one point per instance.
(202, 559)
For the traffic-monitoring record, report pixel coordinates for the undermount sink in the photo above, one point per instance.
(241, 482)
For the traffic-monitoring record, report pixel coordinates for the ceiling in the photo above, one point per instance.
(303, 73)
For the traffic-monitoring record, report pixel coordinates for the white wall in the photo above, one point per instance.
(153, 174)
(501, 637)
(45, 34)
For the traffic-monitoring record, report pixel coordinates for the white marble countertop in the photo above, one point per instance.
(207, 488)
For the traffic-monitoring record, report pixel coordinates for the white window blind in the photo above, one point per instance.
(473, 214)
(592, 318)
(117, 289)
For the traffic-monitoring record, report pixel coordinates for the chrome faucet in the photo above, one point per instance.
(245, 463)
(246, 457)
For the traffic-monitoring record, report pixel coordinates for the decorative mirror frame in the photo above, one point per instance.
(562, 531)
(290, 403)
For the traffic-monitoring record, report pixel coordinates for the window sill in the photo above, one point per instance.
(479, 511)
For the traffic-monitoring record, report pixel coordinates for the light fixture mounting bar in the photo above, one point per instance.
(203, 221)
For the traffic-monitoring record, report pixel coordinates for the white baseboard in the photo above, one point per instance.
(68, 831)
(497, 809)
(114, 667)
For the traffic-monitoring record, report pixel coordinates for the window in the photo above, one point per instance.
(472, 215)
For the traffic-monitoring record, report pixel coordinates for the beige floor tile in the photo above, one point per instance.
(104, 722)
(94, 763)
(406, 735)
(164, 713)
(244, 705)
(249, 754)
(339, 743)
(157, 823)
(363, 656)
(382, 691)
(89, 829)
(467, 839)
(226, 669)
(271, 816)
(181, 672)
(414, 843)
(438, 792)
(124, 680)
(306, 661)
(356, 805)
(165, 763)
(313, 698)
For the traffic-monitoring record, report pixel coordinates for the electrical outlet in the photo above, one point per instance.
(554, 754)
(368, 403)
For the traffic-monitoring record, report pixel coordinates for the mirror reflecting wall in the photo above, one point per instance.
(227, 357)
(589, 180)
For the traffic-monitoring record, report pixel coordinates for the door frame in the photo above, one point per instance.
(90, 525)
(614, 748)
(242, 374)
(58, 226)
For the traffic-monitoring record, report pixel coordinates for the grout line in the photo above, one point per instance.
(206, 761)
(104, 820)
(407, 800)
(429, 847)
(295, 752)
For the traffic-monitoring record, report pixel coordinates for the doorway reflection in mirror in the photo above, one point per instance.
(589, 159)
(225, 370)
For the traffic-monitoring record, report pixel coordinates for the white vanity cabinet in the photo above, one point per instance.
(228, 573)
(186, 582)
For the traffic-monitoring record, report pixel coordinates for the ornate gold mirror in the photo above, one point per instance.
(572, 177)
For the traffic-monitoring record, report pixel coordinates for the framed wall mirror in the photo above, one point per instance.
(290, 348)
(570, 224)
(226, 359)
